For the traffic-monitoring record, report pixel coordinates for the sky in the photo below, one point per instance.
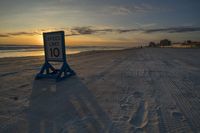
(100, 22)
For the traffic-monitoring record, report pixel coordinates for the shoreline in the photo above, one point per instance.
(82, 52)
(41, 52)
(97, 51)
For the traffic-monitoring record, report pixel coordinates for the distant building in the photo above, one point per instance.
(165, 42)
(152, 44)
(189, 41)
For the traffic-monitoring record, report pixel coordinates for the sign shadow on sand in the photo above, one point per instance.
(67, 106)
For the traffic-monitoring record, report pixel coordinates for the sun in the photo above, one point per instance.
(39, 39)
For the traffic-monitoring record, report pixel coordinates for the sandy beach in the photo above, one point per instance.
(139, 90)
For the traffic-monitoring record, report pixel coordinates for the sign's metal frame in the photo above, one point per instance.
(47, 70)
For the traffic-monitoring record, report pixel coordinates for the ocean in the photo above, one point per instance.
(37, 50)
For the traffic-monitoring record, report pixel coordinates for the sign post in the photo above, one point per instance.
(54, 48)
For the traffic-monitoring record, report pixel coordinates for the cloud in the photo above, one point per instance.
(141, 8)
(23, 33)
(19, 34)
(83, 30)
(174, 30)
(129, 9)
(118, 10)
(95, 30)
(89, 30)
(4, 35)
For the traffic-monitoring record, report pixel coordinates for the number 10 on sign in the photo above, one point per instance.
(54, 49)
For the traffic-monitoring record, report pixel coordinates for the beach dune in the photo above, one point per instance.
(153, 90)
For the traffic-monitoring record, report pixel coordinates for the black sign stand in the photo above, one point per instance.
(47, 70)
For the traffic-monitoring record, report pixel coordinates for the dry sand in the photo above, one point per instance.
(149, 90)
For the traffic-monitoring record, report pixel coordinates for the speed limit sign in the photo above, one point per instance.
(54, 46)
(54, 49)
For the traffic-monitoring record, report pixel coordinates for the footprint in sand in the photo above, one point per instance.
(140, 119)
(137, 94)
(177, 115)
